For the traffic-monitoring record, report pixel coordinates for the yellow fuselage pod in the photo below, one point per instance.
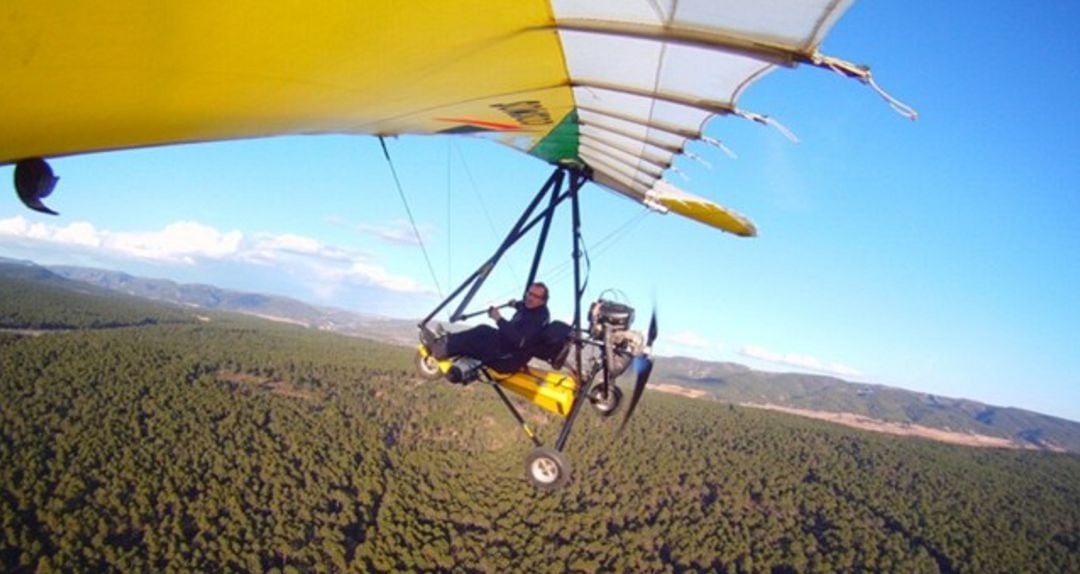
(552, 391)
(444, 364)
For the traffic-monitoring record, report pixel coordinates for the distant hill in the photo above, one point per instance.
(734, 383)
(33, 298)
(725, 382)
(17, 269)
(266, 306)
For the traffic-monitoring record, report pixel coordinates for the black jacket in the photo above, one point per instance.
(523, 329)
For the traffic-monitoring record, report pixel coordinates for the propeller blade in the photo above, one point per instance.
(654, 330)
(643, 365)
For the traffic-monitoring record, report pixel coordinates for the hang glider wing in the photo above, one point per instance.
(618, 86)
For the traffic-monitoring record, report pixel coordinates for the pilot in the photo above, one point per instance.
(506, 348)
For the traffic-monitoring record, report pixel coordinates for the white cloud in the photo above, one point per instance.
(270, 249)
(367, 272)
(19, 227)
(324, 269)
(290, 242)
(78, 233)
(397, 232)
(688, 339)
(799, 361)
(690, 344)
(180, 242)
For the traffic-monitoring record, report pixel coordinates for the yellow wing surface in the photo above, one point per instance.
(618, 86)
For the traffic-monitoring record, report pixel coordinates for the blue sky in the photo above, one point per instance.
(939, 255)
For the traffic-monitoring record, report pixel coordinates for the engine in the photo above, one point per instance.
(609, 323)
(609, 315)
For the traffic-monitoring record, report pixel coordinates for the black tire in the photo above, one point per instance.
(605, 406)
(546, 469)
(428, 367)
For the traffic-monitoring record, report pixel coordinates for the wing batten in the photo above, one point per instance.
(645, 155)
(774, 54)
(606, 164)
(674, 130)
(651, 137)
(713, 107)
(626, 159)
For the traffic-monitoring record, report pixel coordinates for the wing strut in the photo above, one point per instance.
(524, 224)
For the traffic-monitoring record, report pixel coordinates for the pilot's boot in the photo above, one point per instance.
(560, 359)
(436, 345)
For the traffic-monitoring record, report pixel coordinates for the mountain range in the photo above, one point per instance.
(270, 307)
(869, 406)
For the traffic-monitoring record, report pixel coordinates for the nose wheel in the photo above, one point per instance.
(546, 469)
(427, 366)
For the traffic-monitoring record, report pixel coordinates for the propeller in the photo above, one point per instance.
(643, 365)
(34, 181)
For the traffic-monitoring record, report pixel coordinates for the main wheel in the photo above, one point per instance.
(427, 366)
(546, 469)
(606, 406)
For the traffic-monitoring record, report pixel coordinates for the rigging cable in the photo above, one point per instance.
(588, 264)
(412, 221)
(557, 273)
(449, 221)
(560, 270)
(483, 207)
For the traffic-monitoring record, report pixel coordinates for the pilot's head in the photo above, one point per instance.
(536, 296)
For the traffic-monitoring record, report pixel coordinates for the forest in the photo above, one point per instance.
(153, 440)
